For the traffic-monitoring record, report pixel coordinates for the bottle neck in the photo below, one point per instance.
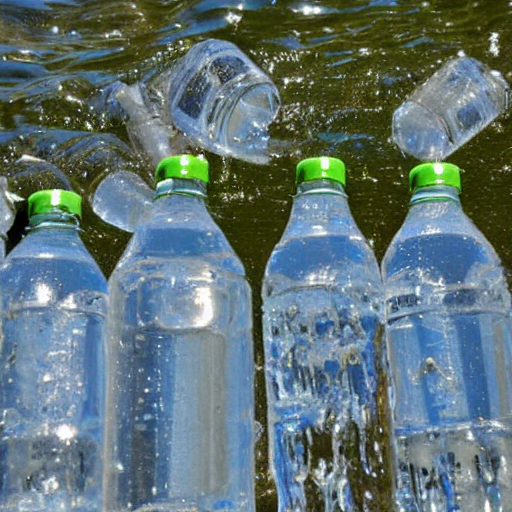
(319, 208)
(435, 193)
(188, 187)
(320, 187)
(54, 219)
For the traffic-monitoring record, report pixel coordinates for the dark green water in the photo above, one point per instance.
(341, 68)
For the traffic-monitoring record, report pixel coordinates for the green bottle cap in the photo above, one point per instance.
(321, 168)
(182, 166)
(432, 173)
(46, 201)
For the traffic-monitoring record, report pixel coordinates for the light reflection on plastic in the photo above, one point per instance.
(204, 299)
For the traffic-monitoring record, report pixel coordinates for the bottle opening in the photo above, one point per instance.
(246, 123)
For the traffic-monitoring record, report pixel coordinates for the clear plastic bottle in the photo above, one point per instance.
(449, 337)
(450, 108)
(53, 303)
(7, 214)
(122, 199)
(322, 326)
(151, 135)
(96, 155)
(214, 95)
(180, 404)
(220, 99)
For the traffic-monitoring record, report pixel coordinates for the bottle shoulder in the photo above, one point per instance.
(49, 265)
(49, 281)
(315, 214)
(438, 242)
(327, 260)
(167, 240)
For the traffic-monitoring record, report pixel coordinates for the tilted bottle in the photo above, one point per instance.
(180, 404)
(322, 326)
(449, 337)
(53, 304)
(449, 109)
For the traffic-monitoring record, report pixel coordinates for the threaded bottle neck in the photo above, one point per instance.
(54, 219)
(191, 187)
(320, 187)
(435, 193)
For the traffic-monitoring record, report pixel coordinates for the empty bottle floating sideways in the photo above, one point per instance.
(180, 404)
(323, 326)
(449, 109)
(449, 337)
(220, 99)
(53, 304)
(214, 95)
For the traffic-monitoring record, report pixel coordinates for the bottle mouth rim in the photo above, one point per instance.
(221, 114)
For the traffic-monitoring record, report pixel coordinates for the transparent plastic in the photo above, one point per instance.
(7, 213)
(122, 199)
(150, 135)
(449, 338)
(322, 326)
(88, 158)
(449, 109)
(180, 404)
(220, 99)
(53, 303)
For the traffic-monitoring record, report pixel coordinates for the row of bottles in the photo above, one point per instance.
(138, 396)
(445, 308)
(149, 407)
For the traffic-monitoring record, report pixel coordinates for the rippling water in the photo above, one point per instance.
(341, 68)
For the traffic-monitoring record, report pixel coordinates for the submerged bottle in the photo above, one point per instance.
(449, 337)
(322, 326)
(179, 431)
(53, 304)
(450, 108)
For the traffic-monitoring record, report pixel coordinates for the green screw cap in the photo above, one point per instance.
(321, 168)
(432, 173)
(46, 201)
(183, 166)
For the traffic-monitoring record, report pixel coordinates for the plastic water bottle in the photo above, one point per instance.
(53, 310)
(96, 155)
(215, 96)
(449, 336)
(220, 99)
(450, 108)
(180, 405)
(7, 214)
(322, 326)
(30, 174)
(122, 199)
(152, 137)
